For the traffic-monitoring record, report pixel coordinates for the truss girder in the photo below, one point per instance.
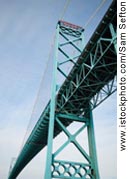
(91, 80)
(90, 74)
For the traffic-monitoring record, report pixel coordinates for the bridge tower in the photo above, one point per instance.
(69, 43)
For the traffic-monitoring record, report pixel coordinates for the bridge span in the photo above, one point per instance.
(91, 80)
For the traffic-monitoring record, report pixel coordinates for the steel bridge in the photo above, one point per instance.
(91, 80)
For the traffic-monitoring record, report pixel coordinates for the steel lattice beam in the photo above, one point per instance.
(91, 80)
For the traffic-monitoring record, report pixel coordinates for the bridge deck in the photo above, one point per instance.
(95, 68)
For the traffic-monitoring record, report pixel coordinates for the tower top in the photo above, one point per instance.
(70, 25)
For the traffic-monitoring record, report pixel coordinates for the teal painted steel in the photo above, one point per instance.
(52, 111)
(92, 146)
(76, 170)
(113, 33)
(64, 30)
(90, 82)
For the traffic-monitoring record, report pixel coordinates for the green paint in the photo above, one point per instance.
(90, 82)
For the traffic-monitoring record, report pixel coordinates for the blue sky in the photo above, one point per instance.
(26, 33)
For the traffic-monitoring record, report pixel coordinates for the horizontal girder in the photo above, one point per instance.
(91, 81)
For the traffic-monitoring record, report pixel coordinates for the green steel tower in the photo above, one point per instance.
(69, 36)
(75, 93)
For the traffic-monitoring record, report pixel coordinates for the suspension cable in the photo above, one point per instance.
(47, 63)
(66, 5)
(38, 94)
(95, 12)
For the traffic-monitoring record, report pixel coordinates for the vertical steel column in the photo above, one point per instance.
(92, 145)
(52, 111)
(114, 36)
(72, 35)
